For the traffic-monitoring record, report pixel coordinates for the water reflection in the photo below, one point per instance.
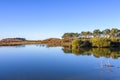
(41, 45)
(40, 62)
(15, 46)
(96, 52)
(22, 45)
(107, 53)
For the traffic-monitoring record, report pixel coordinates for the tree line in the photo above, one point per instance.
(107, 33)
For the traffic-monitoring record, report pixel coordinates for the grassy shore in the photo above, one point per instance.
(19, 43)
(77, 43)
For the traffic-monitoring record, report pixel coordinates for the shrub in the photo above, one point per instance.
(100, 42)
(75, 43)
(79, 43)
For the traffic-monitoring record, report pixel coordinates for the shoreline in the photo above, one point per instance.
(19, 43)
(75, 43)
(65, 44)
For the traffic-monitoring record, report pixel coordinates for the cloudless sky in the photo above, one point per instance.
(40, 19)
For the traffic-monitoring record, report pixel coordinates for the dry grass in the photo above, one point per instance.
(19, 43)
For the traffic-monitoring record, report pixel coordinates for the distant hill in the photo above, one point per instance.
(13, 39)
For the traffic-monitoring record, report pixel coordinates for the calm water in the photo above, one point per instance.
(36, 62)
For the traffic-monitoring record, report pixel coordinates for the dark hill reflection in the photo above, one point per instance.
(96, 52)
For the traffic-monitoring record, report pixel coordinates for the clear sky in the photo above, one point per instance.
(40, 19)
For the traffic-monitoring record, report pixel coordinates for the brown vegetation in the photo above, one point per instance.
(17, 41)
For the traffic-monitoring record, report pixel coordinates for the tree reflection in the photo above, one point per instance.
(67, 49)
(100, 52)
(81, 51)
(96, 52)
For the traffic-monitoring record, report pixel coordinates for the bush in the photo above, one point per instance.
(117, 39)
(75, 43)
(80, 44)
(100, 42)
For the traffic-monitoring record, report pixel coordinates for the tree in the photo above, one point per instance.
(106, 32)
(83, 34)
(86, 34)
(70, 35)
(114, 32)
(118, 34)
(96, 33)
(89, 34)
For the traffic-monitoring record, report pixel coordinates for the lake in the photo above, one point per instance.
(39, 62)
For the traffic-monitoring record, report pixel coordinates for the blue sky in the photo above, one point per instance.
(40, 19)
